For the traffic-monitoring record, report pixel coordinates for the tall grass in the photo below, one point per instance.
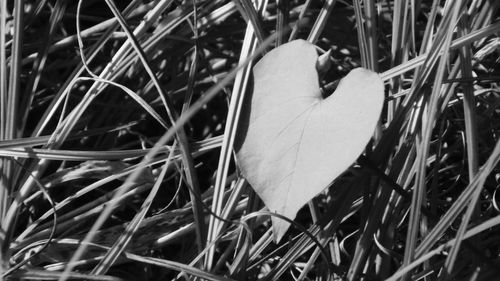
(118, 120)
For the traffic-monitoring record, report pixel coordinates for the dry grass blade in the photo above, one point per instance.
(362, 36)
(9, 107)
(133, 95)
(282, 21)
(122, 242)
(81, 155)
(37, 274)
(372, 34)
(40, 62)
(237, 98)
(426, 40)
(14, 90)
(156, 262)
(399, 29)
(4, 184)
(321, 20)
(420, 189)
(68, 220)
(40, 141)
(194, 64)
(295, 29)
(249, 12)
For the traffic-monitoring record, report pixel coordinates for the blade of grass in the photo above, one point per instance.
(12, 97)
(485, 15)
(469, 106)
(148, 108)
(235, 105)
(252, 15)
(362, 36)
(172, 265)
(194, 63)
(38, 141)
(199, 148)
(81, 155)
(281, 20)
(44, 246)
(11, 101)
(35, 12)
(121, 243)
(419, 191)
(372, 36)
(38, 274)
(295, 30)
(39, 63)
(182, 231)
(399, 28)
(218, 15)
(228, 211)
(321, 21)
(67, 221)
(37, 225)
(12, 118)
(427, 37)
(398, 47)
(4, 184)
(150, 230)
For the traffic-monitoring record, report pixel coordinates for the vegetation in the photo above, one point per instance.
(118, 118)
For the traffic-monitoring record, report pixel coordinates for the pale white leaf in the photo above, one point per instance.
(292, 143)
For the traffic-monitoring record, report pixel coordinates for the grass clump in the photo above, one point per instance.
(117, 121)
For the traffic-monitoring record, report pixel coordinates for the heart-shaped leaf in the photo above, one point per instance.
(292, 143)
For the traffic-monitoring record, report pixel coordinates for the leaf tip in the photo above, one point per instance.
(280, 227)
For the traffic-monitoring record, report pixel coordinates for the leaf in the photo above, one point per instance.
(292, 143)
